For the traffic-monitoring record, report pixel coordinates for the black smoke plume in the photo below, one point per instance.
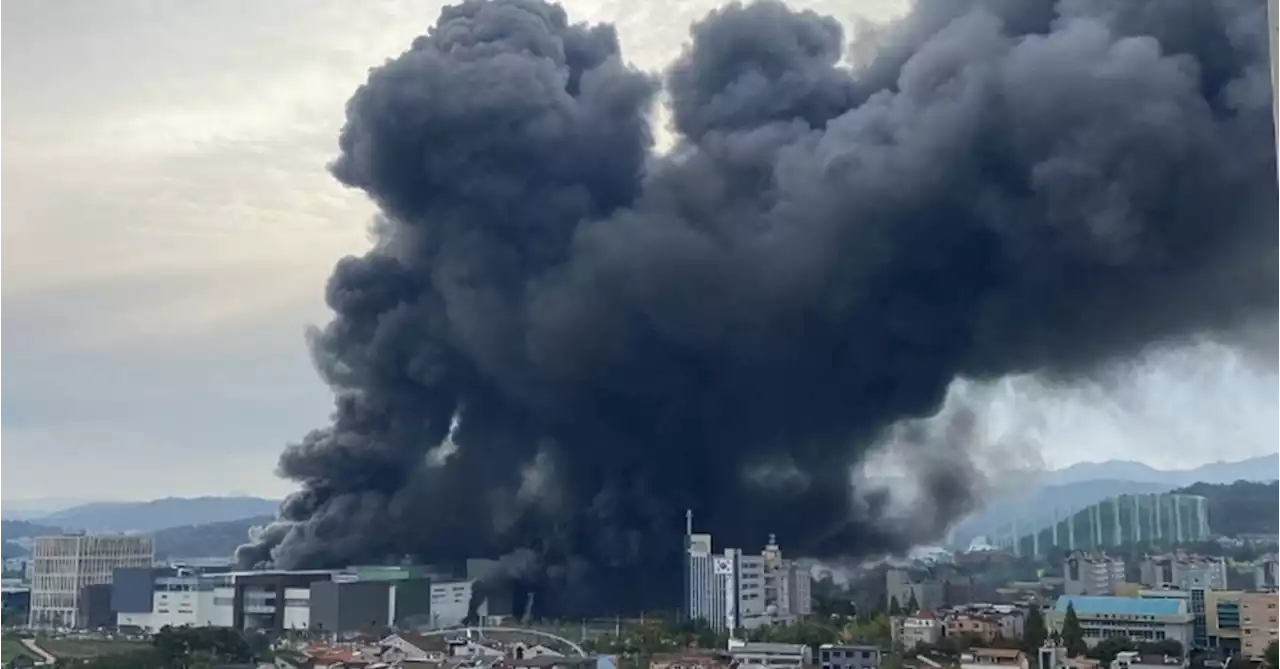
(563, 338)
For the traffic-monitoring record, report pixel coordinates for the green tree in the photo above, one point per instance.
(1034, 634)
(912, 604)
(1072, 633)
(1270, 656)
(895, 609)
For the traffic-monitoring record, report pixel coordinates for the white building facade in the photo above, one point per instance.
(63, 565)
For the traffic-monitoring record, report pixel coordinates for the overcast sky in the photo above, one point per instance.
(168, 226)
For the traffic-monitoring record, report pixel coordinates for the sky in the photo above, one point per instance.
(168, 226)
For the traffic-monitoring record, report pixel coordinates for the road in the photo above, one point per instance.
(39, 652)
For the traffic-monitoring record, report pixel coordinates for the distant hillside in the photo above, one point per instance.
(159, 514)
(14, 530)
(27, 509)
(21, 529)
(1243, 507)
(206, 540)
(1262, 468)
(1039, 503)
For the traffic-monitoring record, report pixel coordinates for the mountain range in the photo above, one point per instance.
(1083, 484)
(1127, 470)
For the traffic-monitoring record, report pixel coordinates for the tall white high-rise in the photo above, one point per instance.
(63, 565)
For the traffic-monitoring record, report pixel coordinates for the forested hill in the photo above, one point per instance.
(1243, 507)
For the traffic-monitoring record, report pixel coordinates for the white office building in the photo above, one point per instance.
(737, 590)
(62, 566)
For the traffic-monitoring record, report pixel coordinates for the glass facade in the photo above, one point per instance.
(1162, 518)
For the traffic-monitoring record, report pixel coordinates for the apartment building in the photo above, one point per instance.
(1184, 571)
(1091, 574)
(64, 565)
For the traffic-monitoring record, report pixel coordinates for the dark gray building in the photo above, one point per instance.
(837, 656)
(338, 607)
(93, 608)
(132, 588)
(353, 606)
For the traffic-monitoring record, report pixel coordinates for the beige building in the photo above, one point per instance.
(1244, 620)
(63, 565)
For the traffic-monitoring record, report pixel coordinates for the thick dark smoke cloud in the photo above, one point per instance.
(562, 339)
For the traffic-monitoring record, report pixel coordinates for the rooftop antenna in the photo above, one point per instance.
(688, 522)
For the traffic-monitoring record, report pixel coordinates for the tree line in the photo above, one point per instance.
(184, 648)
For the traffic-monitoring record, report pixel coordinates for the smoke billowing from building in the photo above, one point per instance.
(561, 339)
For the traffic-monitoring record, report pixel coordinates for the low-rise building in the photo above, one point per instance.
(745, 654)
(922, 628)
(985, 621)
(986, 658)
(839, 656)
(1136, 618)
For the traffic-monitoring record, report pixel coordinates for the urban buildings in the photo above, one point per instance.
(1137, 618)
(63, 566)
(1091, 574)
(1184, 571)
(1169, 517)
(986, 622)
(739, 590)
(929, 588)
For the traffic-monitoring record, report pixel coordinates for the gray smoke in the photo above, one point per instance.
(563, 339)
